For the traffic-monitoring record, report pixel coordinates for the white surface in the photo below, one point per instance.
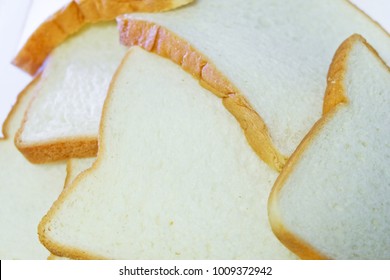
(25, 16)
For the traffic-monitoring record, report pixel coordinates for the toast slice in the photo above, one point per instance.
(26, 191)
(174, 178)
(63, 120)
(275, 53)
(332, 198)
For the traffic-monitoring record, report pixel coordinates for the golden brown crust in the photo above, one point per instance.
(58, 150)
(72, 18)
(335, 95)
(165, 43)
(52, 257)
(335, 91)
(255, 130)
(291, 241)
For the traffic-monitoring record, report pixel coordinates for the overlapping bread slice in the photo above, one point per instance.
(332, 198)
(74, 17)
(174, 178)
(63, 119)
(74, 167)
(275, 53)
(26, 191)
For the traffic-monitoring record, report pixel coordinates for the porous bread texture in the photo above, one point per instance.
(63, 119)
(275, 53)
(331, 200)
(26, 191)
(186, 185)
(73, 17)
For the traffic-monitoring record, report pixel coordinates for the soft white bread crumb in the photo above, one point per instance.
(174, 179)
(73, 86)
(336, 196)
(276, 53)
(26, 191)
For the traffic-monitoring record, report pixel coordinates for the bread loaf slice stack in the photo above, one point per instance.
(331, 200)
(175, 177)
(27, 191)
(75, 77)
(185, 185)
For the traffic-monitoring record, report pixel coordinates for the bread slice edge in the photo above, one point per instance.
(71, 18)
(334, 97)
(157, 39)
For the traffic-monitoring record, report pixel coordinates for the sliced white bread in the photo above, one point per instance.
(174, 178)
(26, 191)
(275, 53)
(74, 167)
(63, 120)
(72, 18)
(57, 258)
(332, 198)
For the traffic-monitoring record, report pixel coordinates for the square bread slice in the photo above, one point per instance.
(332, 200)
(275, 53)
(174, 178)
(80, 59)
(26, 191)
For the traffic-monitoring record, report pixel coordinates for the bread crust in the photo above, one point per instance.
(62, 250)
(15, 108)
(72, 17)
(58, 150)
(335, 96)
(159, 40)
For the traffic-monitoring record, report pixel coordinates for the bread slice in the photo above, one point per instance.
(72, 18)
(26, 191)
(63, 120)
(74, 167)
(275, 53)
(174, 178)
(332, 198)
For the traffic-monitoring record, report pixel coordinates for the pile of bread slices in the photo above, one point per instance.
(182, 129)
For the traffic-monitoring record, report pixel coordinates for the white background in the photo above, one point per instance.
(19, 18)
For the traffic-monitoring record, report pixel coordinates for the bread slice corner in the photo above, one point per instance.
(174, 178)
(331, 200)
(26, 191)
